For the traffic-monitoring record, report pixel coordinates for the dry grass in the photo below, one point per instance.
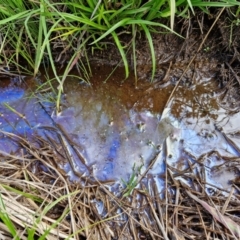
(38, 197)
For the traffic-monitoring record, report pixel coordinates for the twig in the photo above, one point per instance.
(149, 167)
(200, 47)
(235, 75)
(161, 228)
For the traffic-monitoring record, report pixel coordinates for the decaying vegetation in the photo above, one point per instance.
(50, 33)
(37, 200)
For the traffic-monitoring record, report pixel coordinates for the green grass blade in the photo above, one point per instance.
(167, 11)
(123, 55)
(46, 233)
(28, 30)
(149, 37)
(137, 12)
(24, 194)
(150, 23)
(120, 11)
(45, 211)
(69, 18)
(54, 203)
(40, 48)
(134, 30)
(154, 9)
(16, 17)
(112, 29)
(184, 12)
(191, 6)
(91, 3)
(80, 7)
(199, 3)
(6, 220)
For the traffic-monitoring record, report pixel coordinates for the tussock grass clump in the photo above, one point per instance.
(39, 202)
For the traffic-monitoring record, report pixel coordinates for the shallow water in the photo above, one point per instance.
(114, 134)
(118, 125)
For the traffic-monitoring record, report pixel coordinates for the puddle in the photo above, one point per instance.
(116, 126)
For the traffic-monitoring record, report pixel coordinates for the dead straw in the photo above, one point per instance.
(38, 195)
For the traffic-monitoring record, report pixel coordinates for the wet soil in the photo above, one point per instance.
(110, 130)
(118, 126)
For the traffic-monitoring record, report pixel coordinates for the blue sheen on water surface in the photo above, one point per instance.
(10, 94)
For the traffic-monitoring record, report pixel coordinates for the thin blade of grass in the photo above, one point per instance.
(112, 29)
(172, 15)
(191, 6)
(7, 221)
(17, 16)
(46, 233)
(40, 48)
(149, 37)
(134, 30)
(123, 55)
(24, 194)
(199, 3)
(154, 9)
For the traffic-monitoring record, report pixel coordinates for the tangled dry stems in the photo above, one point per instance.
(37, 195)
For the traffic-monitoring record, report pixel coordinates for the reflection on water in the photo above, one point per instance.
(19, 115)
(113, 132)
(117, 125)
(9, 94)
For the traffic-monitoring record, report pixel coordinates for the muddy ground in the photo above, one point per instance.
(178, 183)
